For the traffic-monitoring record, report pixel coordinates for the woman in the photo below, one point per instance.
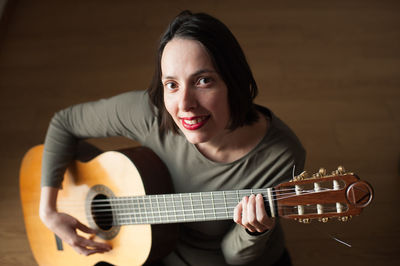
(198, 116)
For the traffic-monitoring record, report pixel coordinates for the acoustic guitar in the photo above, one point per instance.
(127, 196)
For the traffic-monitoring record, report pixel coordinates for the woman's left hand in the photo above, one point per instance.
(251, 214)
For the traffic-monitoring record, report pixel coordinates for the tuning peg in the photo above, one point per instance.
(323, 219)
(301, 176)
(340, 171)
(345, 218)
(305, 220)
(321, 173)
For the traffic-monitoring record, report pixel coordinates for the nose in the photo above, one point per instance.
(187, 99)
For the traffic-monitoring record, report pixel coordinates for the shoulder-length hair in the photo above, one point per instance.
(229, 61)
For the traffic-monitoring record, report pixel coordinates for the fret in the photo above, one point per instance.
(213, 205)
(191, 205)
(123, 215)
(121, 211)
(202, 205)
(148, 207)
(134, 213)
(131, 207)
(166, 208)
(226, 207)
(126, 210)
(139, 211)
(183, 207)
(173, 205)
(158, 208)
(142, 210)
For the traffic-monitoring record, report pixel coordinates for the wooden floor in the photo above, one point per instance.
(330, 69)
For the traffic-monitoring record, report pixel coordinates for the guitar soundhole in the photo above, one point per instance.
(99, 211)
(102, 212)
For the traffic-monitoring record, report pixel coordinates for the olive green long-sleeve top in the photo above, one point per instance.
(200, 243)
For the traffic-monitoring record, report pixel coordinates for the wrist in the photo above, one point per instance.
(47, 206)
(256, 233)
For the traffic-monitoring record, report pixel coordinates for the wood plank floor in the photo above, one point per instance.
(330, 69)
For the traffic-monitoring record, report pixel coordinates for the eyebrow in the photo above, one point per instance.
(197, 73)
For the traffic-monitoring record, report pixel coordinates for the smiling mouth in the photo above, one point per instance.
(194, 123)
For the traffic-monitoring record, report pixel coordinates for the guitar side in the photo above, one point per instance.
(132, 244)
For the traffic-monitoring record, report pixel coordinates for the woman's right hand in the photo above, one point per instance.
(66, 227)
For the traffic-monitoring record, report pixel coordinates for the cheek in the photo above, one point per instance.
(221, 106)
(169, 105)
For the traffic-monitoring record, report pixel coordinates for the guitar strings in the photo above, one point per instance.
(202, 196)
(128, 201)
(128, 218)
(332, 237)
(104, 215)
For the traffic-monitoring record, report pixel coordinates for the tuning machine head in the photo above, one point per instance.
(302, 176)
(305, 220)
(323, 219)
(321, 173)
(345, 218)
(339, 171)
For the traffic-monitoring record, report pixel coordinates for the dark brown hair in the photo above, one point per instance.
(229, 61)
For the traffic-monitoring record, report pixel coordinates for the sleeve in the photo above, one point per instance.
(128, 114)
(238, 246)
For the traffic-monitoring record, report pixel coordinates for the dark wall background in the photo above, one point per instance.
(330, 69)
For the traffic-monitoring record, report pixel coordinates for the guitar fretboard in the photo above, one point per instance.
(181, 207)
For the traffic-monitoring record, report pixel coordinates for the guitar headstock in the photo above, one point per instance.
(323, 196)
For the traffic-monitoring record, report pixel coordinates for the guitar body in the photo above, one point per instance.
(123, 173)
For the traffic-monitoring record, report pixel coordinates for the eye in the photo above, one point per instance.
(204, 81)
(170, 85)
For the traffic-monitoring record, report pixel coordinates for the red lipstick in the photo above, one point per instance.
(193, 123)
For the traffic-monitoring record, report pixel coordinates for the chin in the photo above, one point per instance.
(195, 138)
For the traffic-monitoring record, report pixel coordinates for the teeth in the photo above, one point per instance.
(194, 121)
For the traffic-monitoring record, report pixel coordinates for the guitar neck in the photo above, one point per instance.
(177, 208)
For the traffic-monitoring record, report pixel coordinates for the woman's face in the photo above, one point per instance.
(194, 94)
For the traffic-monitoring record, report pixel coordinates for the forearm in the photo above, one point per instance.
(48, 199)
(239, 247)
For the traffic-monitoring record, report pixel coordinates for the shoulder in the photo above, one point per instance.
(280, 140)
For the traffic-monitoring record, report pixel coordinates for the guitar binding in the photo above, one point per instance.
(99, 212)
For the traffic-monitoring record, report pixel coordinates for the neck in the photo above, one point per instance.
(182, 207)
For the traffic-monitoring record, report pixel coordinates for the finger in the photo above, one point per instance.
(87, 246)
(245, 214)
(251, 217)
(86, 251)
(245, 200)
(261, 220)
(237, 213)
(84, 228)
(88, 243)
(262, 216)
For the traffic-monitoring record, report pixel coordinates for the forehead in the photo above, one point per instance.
(184, 57)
